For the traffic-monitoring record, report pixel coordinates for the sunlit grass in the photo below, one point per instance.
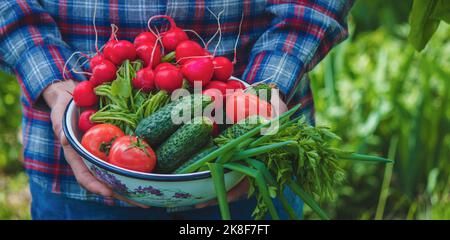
(14, 196)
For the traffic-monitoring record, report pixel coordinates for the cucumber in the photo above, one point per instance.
(159, 126)
(195, 158)
(243, 126)
(183, 144)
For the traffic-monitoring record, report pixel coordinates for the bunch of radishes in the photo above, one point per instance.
(185, 59)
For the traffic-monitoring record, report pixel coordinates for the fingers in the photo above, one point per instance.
(124, 199)
(82, 173)
(56, 115)
(234, 194)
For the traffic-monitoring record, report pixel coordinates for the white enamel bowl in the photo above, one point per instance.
(160, 190)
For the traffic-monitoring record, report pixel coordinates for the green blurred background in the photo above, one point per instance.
(374, 90)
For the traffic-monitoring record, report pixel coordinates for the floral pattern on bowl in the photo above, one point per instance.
(140, 191)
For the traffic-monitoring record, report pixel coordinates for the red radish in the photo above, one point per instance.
(96, 60)
(235, 84)
(144, 37)
(84, 95)
(219, 85)
(223, 68)
(165, 65)
(187, 49)
(122, 50)
(84, 121)
(108, 49)
(168, 79)
(172, 37)
(198, 69)
(206, 53)
(145, 51)
(103, 72)
(145, 80)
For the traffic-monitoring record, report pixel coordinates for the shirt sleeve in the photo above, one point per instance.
(31, 46)
(301, 34)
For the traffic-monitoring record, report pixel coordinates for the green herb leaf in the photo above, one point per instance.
(121, 87)
(423, 25)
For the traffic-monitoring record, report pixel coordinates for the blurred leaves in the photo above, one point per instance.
(14, 195)
(371, 14)
(372, 89)
(10, 118)
(425, 18)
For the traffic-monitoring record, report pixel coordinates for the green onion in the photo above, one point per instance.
(308, 200)
(219, 185)
(363, 157)
(260, 182)
(287, 207)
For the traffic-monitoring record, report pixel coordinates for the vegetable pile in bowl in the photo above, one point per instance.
(143, 127)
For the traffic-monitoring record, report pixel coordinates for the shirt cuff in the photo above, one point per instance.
(41, 66)
(278, 68)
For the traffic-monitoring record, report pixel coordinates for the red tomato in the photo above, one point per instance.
(216, 96)
(98, 139)
(213, 93)
(241, 105)
(132, 153)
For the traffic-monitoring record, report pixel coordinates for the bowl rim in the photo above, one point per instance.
(73, 141)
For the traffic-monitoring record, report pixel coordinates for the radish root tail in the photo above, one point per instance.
(237, 39)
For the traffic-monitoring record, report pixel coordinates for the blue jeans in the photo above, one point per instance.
(46, 205)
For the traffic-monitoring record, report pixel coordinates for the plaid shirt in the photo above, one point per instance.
(280, 41)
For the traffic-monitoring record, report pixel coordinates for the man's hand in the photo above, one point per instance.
(57, 96)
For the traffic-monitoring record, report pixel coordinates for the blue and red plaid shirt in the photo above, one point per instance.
(280, 39)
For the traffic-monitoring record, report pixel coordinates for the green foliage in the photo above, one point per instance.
(371, 14)
(374, 90)
(14, 195)
(9, 122)
(425, 18)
